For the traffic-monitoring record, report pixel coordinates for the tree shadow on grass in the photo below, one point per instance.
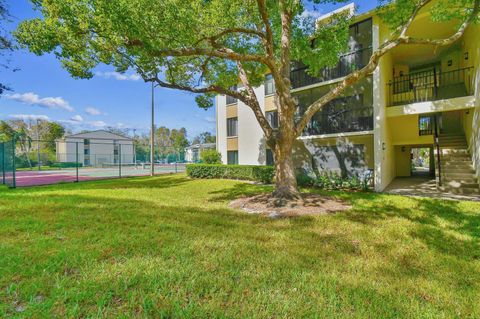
(436, 222)
(77, 232)
(241, 189)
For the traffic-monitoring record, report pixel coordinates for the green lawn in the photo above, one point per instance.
(168, 247)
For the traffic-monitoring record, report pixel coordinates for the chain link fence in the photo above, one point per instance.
(27, 162)
(7, 163)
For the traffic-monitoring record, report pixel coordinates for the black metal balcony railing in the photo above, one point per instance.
(346, 65)
(344, 121)
(430, 85)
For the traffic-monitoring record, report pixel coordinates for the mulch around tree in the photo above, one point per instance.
(308, 204)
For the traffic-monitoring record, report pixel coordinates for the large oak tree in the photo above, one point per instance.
(208, 46)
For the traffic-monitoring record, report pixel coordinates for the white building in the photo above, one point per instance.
(194, 152)
(96, 148)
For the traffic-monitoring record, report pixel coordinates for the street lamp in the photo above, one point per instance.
(152, 133)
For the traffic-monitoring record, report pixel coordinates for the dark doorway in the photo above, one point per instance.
(422, 161)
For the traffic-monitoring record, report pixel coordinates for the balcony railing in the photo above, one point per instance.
(349, 120)
(430, 85)
(346, 65)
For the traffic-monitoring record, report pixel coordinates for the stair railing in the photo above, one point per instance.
(437, 145)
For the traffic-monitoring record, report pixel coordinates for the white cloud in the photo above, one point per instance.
(93, 111)
(32, 117)
(118, 76)
(311, 14)
(97, 123)
(31, 98)
(209, 119)
(77, 118)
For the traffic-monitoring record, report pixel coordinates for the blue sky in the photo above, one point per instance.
(43, 89)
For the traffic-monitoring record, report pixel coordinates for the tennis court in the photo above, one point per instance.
(51, 176)
(51, 162)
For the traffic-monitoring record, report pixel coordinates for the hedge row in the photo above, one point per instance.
(262, 174)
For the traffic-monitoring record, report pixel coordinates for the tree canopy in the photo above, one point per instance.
(6, 44)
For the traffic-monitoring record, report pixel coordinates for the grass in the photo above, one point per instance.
(168, 247)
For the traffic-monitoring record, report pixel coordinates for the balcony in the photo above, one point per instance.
(344, 121)
(430, 85)
(347, 64)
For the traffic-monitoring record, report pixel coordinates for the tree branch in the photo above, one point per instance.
(245, 31)
(375, 59)
(218, 53)
(262, 8)
(253, 102)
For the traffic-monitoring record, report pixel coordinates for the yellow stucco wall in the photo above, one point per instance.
(404, 130)
(471, 44)
(402, 161)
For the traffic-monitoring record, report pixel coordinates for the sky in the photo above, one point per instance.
(43, 89)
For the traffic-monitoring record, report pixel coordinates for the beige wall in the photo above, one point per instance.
(352, 153)
(232, 111)
(232, 144)
(270, 103)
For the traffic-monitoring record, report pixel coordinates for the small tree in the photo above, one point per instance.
(203, 138)
(206, 47)
(210, 156)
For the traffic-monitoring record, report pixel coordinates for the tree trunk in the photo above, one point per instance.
(285, 179)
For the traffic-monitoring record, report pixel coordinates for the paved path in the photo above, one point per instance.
(423, 187)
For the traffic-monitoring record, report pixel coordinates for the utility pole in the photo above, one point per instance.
(152, 135)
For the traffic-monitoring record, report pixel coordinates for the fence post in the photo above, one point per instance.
(76, 160)
(14, 165)
(119, 160)
(176, 160)
(3, 163)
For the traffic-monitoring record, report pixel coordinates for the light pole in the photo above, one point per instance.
(152, 134)
(134, 148)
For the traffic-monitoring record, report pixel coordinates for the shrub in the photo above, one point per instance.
(66, 165)
(211, 156)
(304, 179)
(333, 181)
(262, 174)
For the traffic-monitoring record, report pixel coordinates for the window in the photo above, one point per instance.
(270, 160)
(272, 118)
(232, 100)
(232, 157)
(269, 85)
(425, 125)
(232, 127)
(86, 151)
(86, 142)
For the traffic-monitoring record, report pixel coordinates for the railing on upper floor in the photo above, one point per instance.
(355, 119)
(430, 85)
(347, 64)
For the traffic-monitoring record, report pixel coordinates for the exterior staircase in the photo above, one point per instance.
(456, 169)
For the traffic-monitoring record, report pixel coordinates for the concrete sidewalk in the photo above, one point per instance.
(423, 187)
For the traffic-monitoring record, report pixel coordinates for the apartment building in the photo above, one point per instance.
(418, 97)
(95, 148)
